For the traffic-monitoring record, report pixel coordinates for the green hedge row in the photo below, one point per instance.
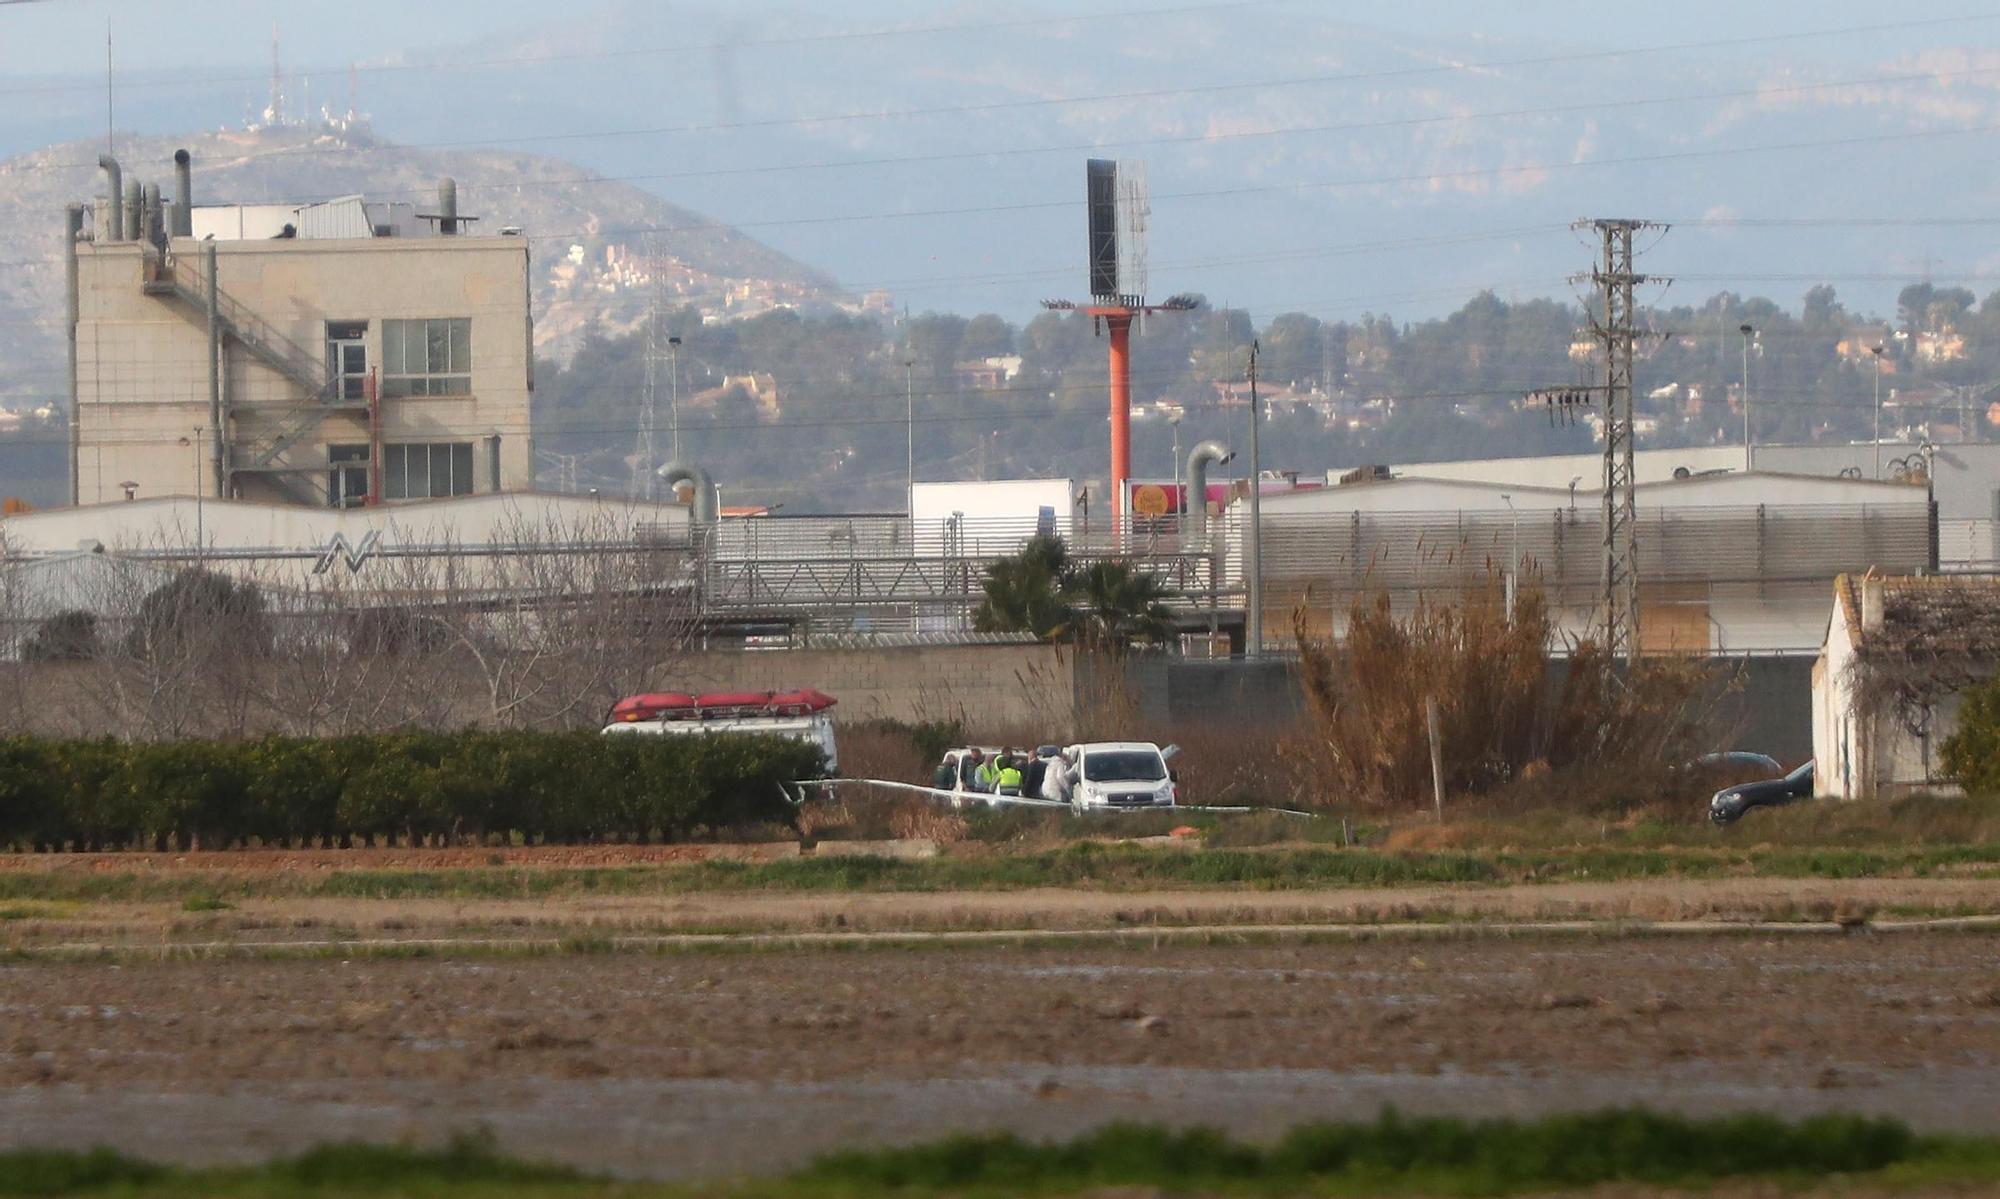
(413, 788)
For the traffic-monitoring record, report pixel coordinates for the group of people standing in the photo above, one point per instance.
(1047, 773)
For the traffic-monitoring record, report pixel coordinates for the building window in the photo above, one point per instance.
(417, 472)
(347, 476)
(427, 358)
(347, 359)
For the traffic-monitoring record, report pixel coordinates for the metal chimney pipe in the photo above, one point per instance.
(132, 209)
(152, 226)
(184, 184)
(1197, 485)
(72, 229)
(448, 207)
(111, 222)
(706, 512)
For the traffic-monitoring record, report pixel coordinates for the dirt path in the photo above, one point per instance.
(30, 925)
(688, 1065)
(252, 862)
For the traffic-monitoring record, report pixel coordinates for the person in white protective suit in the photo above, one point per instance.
(1056, 781)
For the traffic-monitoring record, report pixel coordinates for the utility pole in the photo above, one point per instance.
(1254, 638)
(218, 454)
(1877, 352)
(1749, 452)
(1180, 501)
(910, 430)
(1616, 327)
(645, 459)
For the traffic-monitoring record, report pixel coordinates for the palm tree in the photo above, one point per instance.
(1106, 605)
(1120, 606)
(1025, 593)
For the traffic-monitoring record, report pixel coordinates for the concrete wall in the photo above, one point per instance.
(1012, 690)
(142, 360)
(1767, 708)
(991, 688)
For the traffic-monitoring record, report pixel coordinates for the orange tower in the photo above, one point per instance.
(1118, 209)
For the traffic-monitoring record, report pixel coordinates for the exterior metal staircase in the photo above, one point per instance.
(180, 279)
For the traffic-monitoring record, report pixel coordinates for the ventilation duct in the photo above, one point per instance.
(152, 227)
(111, 222)
(1197, 485)
(184, 185)
(673, 474)
(131, 208)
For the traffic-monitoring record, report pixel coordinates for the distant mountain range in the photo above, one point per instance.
(599, 250)
(1302, 156)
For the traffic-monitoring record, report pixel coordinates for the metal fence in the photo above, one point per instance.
(869, 562)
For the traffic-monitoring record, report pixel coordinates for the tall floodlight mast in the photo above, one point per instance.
(1117, 209)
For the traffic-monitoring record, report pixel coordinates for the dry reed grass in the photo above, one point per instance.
(1505, 719)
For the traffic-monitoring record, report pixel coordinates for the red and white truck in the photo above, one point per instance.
(801, 715)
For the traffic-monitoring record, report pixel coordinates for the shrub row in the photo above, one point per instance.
(411, 787)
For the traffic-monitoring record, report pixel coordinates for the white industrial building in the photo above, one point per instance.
(389, 549)
(1728, 563)
(1898, 655)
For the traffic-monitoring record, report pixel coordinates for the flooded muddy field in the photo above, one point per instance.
(697, 1063)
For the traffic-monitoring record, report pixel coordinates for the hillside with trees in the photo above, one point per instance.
(809, 411)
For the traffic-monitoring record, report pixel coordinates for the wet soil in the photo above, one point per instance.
(703, 1063)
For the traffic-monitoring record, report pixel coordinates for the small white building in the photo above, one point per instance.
(963, 517)
(1898, 655)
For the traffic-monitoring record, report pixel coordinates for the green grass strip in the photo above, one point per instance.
(1393, 1155)
(1087, 865)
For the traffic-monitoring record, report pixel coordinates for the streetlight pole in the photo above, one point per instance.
(1513, 555)
(1180, 501)
(1748, 452)
(1254, 639)
(1877, 352)
(910, 430)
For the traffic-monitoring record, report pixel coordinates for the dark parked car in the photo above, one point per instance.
(1731, 802)
(1738, 760)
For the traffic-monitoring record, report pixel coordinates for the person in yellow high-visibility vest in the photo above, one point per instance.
(1007, 779)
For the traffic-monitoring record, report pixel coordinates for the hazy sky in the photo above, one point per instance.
(68, 35)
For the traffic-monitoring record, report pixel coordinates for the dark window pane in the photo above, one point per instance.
(437, 335)
(440, 483)
(453, 385)
(461, 468)
(394, 460)
(392, 347)
(461, 346)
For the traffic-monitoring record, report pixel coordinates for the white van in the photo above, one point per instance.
(1121, 775)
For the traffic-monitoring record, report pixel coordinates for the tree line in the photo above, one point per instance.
(828, 430)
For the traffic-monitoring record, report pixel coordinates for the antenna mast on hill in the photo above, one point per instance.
(110, 119)
(275, 114)
(645, 455)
